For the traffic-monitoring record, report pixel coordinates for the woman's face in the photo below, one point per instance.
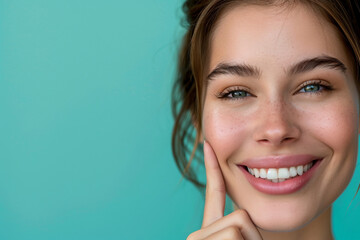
(281, 93)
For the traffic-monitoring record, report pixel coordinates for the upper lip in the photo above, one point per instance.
(279, 161)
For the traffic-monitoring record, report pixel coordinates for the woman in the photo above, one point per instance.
(271, 88)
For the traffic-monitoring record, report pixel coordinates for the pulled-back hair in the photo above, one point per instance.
(201, 16)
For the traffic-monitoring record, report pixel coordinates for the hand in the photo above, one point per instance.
(236, 225)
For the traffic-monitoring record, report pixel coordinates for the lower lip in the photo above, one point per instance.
(288, 186)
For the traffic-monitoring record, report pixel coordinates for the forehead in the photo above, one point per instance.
(260, 35)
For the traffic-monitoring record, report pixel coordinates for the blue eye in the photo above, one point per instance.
(238, 94)
(309, 87)
(234, 94)
(312, 88)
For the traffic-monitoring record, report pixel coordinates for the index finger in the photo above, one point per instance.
(215, 188)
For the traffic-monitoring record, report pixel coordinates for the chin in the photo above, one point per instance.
(283, 214)
(280, 222)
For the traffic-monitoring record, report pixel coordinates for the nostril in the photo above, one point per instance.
(287, 139)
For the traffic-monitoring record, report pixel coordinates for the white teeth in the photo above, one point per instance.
(283, 173)
(262, 173)
(293, 172)
(306, 167)
(279, 174)
(272, 173)
(256, 172)
(299, 170)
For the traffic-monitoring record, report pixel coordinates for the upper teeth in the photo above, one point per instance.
(279, 174)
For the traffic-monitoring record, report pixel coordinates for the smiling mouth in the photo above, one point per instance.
(280, 174)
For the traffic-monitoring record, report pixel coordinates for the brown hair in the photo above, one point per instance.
(201, 16)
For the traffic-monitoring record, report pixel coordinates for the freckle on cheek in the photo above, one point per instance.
(225, 134)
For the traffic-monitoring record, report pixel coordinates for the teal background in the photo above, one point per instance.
(85, 124)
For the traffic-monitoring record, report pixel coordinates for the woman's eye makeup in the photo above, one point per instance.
(309, 87)
(315, 87)
(233, 93)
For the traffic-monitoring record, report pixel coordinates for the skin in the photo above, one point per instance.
(276, 116)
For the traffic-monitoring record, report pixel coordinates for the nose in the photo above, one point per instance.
(276, 124)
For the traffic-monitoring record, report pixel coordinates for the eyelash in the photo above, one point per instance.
(321, 84)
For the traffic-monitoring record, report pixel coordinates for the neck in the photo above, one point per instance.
(320, 229)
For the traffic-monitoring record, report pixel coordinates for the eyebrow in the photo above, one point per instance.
(307, 65)
(317, 62)
(242, 70)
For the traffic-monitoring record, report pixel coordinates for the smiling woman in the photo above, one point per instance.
(272, 88)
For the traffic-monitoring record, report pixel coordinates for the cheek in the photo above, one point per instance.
(336, 125)
(338, 128)
(225, 130)
(333, 129)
